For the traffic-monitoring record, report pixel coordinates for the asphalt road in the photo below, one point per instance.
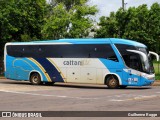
(22, 96)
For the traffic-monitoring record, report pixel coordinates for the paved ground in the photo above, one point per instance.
(21, 96)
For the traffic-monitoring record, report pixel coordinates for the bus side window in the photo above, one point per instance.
(110, 54)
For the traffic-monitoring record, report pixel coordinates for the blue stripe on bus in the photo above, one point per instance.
(50, 69)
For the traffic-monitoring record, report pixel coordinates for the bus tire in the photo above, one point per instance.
(112, 82)
(35, 79)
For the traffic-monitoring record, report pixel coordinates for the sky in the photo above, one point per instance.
(107, 6)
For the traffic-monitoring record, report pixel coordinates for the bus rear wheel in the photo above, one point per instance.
(35, 79)
(112, 82)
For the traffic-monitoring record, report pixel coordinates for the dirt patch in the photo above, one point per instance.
(156, 83)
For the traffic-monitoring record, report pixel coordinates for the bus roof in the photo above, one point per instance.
(82, 41)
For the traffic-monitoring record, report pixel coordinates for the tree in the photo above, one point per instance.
(154, 26)
(68, 3)
(80, 22)
(140, 24)
(69, 20)
(108, 27)
(57, 24)
(21, 20)
(137, 28)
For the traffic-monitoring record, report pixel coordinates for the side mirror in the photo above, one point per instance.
(155, 54)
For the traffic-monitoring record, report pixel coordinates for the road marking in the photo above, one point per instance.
(144, 97)
(116, 100)
(118, 96)
(140, 97)
(45, 95)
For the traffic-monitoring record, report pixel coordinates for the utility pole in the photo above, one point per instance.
(123, 5)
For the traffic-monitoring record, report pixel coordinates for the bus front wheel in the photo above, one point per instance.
(112, 82)
(35, 79)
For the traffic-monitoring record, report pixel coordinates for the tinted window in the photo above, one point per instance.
(63, 51)
(132, 60)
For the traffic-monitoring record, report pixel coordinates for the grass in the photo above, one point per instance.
(157, 71)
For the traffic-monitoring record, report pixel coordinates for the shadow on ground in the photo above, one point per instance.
(79, 86)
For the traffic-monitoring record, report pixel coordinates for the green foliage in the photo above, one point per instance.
(80, 23)
(19, 18)
(157, 70)
(68, 19)
(141, 24)
(70, 3)
(154, 25)
(27, 20)
(56, 25)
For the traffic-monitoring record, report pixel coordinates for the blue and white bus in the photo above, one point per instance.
(117, 63)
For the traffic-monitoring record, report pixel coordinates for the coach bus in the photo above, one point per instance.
(117, 63)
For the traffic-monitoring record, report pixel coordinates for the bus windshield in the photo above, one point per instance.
(147, 64)
(136, 58)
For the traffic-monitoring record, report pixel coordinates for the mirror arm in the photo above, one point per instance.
(155, 54)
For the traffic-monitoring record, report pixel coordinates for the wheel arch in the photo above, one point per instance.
(116, 75)
(34, 71)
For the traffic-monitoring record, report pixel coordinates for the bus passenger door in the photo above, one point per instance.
(132, 74)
